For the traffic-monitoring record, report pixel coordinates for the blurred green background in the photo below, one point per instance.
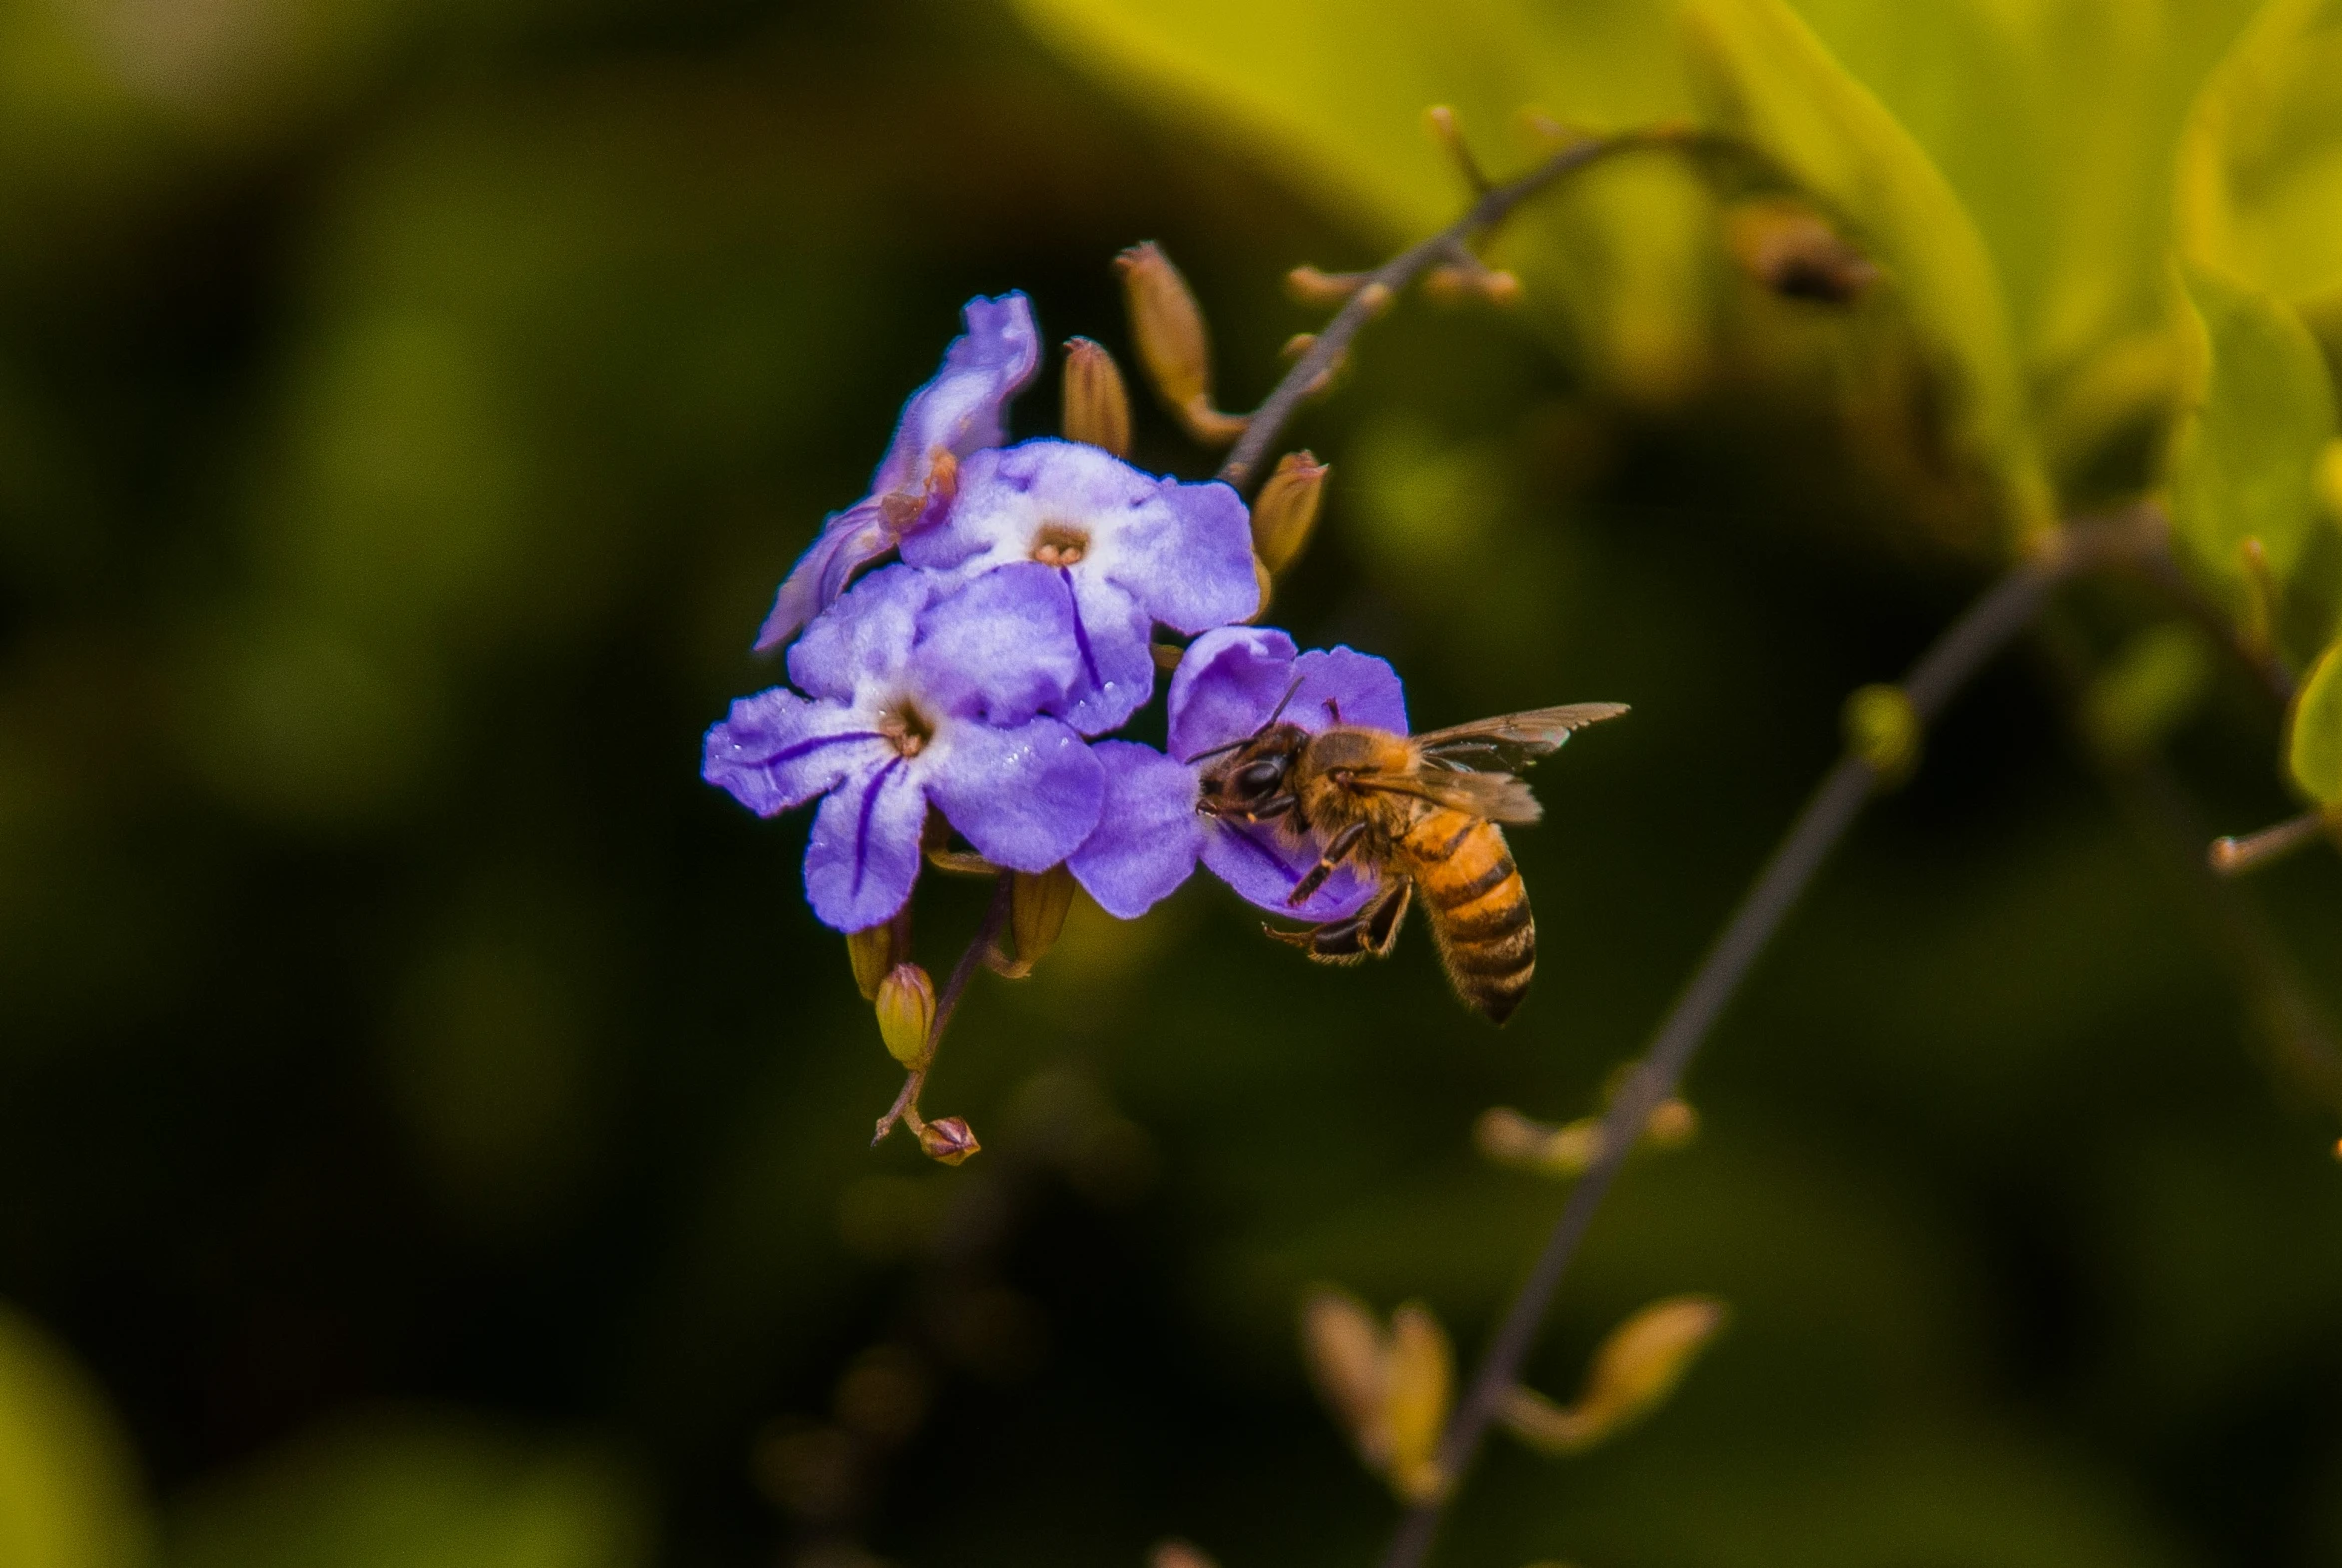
(433, 1129)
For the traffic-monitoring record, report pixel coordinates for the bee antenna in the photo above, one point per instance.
(1277, 712)
(1266, 724)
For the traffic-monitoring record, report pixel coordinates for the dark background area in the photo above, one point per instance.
(434, 1126)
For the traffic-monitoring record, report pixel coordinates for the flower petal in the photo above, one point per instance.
(848, 541)
(778, 750)
(1002, 645)
(1228, 682)
(863, 855)
(1360, 687)
(962, 411)
(867, 636)
(1147, 834)
(1110, 634)
(1188, 559)
(1265, 863)
(1024, 796)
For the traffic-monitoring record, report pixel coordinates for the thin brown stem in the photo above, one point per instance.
(988, 930)
(2233, 857)
(1948, 664)
(1379, 287)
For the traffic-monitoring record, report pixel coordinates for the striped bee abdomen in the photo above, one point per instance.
(1477, 904)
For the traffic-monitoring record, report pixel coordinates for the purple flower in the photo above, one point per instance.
(1128, 551)
(918, 693)
(1150, 833)
(953, 416)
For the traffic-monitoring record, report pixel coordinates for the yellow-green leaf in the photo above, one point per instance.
(2314, 748)
(2260, 165)
(2245, 462)
(68, 1493)
(1331, 97)
(1766, 77)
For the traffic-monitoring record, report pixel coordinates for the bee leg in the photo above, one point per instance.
(1369, 934)
(1343, 842)
(1336, 942)
(1385, 918)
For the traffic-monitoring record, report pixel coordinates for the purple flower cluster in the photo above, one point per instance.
(973, 677)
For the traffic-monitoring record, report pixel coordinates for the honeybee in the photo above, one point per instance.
(1418, 813)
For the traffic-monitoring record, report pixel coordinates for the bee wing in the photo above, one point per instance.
(1497, 796)
(1510, 740)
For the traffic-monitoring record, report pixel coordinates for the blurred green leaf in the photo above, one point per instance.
(2260, 164)
(1332, 97)
(2314, 747)
(69, 1490)
(2245, 462)
(415, 1491)
(1767, 78)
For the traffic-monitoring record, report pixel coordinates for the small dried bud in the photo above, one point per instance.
(1790, 250)
(1414, 1408)
(1296, 346)
(948, 1140)
(1096, 408)
(1286, 513)
(1038, 902)
(905, 1012)
(1458, 280)
(1883, 729)
(872, 951)
(1309, 286)
(1173, 343)
(1441, 121)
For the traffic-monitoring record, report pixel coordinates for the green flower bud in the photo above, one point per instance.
(1038, 902)
(1883, 729)
(906, 1012)
(872, 953)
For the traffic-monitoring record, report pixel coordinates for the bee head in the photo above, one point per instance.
(1253, 780)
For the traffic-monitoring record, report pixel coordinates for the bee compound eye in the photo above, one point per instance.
(1257, 778)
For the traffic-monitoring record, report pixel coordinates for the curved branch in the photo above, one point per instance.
(1379, 287)
(1948, 666)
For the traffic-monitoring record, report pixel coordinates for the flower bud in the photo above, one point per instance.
(872, 953)
(1315, 285)
(1644, 1358)
(1883, 729)
(1173, 343)
(1096, 408)
(1347, 1360)
(1268, 586)
(1414, 1408)
(1285, 512)
(948, 1140)
(1634, 1372)
(1038, 902)
(1673, 1124)
(1179, 1554)
(906, 1012)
